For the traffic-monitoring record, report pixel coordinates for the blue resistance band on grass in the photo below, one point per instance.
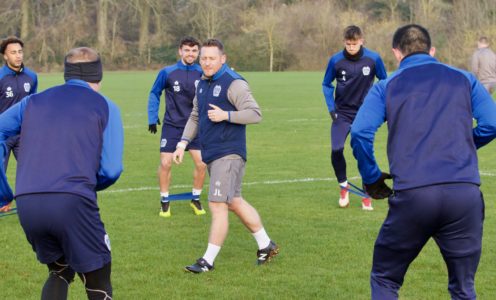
(11, 212)
(356, 190)
(182, 196)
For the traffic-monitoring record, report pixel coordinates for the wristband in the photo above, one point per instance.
(181, 145)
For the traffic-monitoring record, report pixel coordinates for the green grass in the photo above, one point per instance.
(326, 252)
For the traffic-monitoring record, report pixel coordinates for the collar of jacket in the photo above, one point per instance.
(14, 71)
(355, 57)
(181, 65)
(417, 58)
(78, 82)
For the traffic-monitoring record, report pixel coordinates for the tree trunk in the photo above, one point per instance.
(101, 16)
(25, 9)
(143, 35)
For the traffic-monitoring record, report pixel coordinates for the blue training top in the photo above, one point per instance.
(16, 85)
(429, 108)
(71, 141)
(353, 80)
(179, 82)
(219, 139)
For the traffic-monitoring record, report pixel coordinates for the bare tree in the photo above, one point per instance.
(265, 20)
(101, 15)
(25, 9)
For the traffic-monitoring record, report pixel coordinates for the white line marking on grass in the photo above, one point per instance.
(489, 174)
(305, 120)
(266, 182)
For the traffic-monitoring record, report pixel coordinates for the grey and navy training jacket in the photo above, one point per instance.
(71, 141)
(354, 77)
(179, 82)
(428, 107)
(230, 92)
(15, 85)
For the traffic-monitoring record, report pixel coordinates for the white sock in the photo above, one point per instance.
(196, 192)
(211, 253)
(262, 238)
(343, 184)
(164, 195)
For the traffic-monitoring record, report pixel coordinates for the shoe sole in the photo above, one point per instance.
(164, 214)
(367, 208)
(189, 271)
(272, 253)
(193, 272)
(196, 210)
(344, 206)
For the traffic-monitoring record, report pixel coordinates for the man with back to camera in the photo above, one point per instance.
(16, 82)
(71, 144)
(179, 82)
(432, 156)
(484, 64)
(354, 70)
(222, 108)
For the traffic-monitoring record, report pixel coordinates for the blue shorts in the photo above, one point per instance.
(171, 135)
(61, 224)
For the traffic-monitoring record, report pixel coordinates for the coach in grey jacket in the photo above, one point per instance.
(484, 64)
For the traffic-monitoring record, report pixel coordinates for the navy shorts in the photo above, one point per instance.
(340, 130)
(61, 224)
(171, 135)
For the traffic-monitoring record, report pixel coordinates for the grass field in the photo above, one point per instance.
(326, 252)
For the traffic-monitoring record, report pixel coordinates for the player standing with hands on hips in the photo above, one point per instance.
(432, 155)
(354, 70)
(222, 107)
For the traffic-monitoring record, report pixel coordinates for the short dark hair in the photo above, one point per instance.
(10, 40)
(214, 43)
(412, 38)
(189, 41)
(352, 33)
(484, 40)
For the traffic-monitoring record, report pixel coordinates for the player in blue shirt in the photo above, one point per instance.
(16, 82)
(179, 82)
(71, 147)
(429, 109)
(354, 70)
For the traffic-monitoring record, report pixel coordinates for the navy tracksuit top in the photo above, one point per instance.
(71, 141)
(15, 85)
(353, 78)
(222, 138)
(179, 82)
(429, 108)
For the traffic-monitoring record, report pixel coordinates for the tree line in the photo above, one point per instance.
(259, 35)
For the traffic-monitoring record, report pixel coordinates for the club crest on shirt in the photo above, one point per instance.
(163, 142)
(9, 93)
(27, 87)
(217, 90)
(343, 73)
(366, 71)
(176, 87)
